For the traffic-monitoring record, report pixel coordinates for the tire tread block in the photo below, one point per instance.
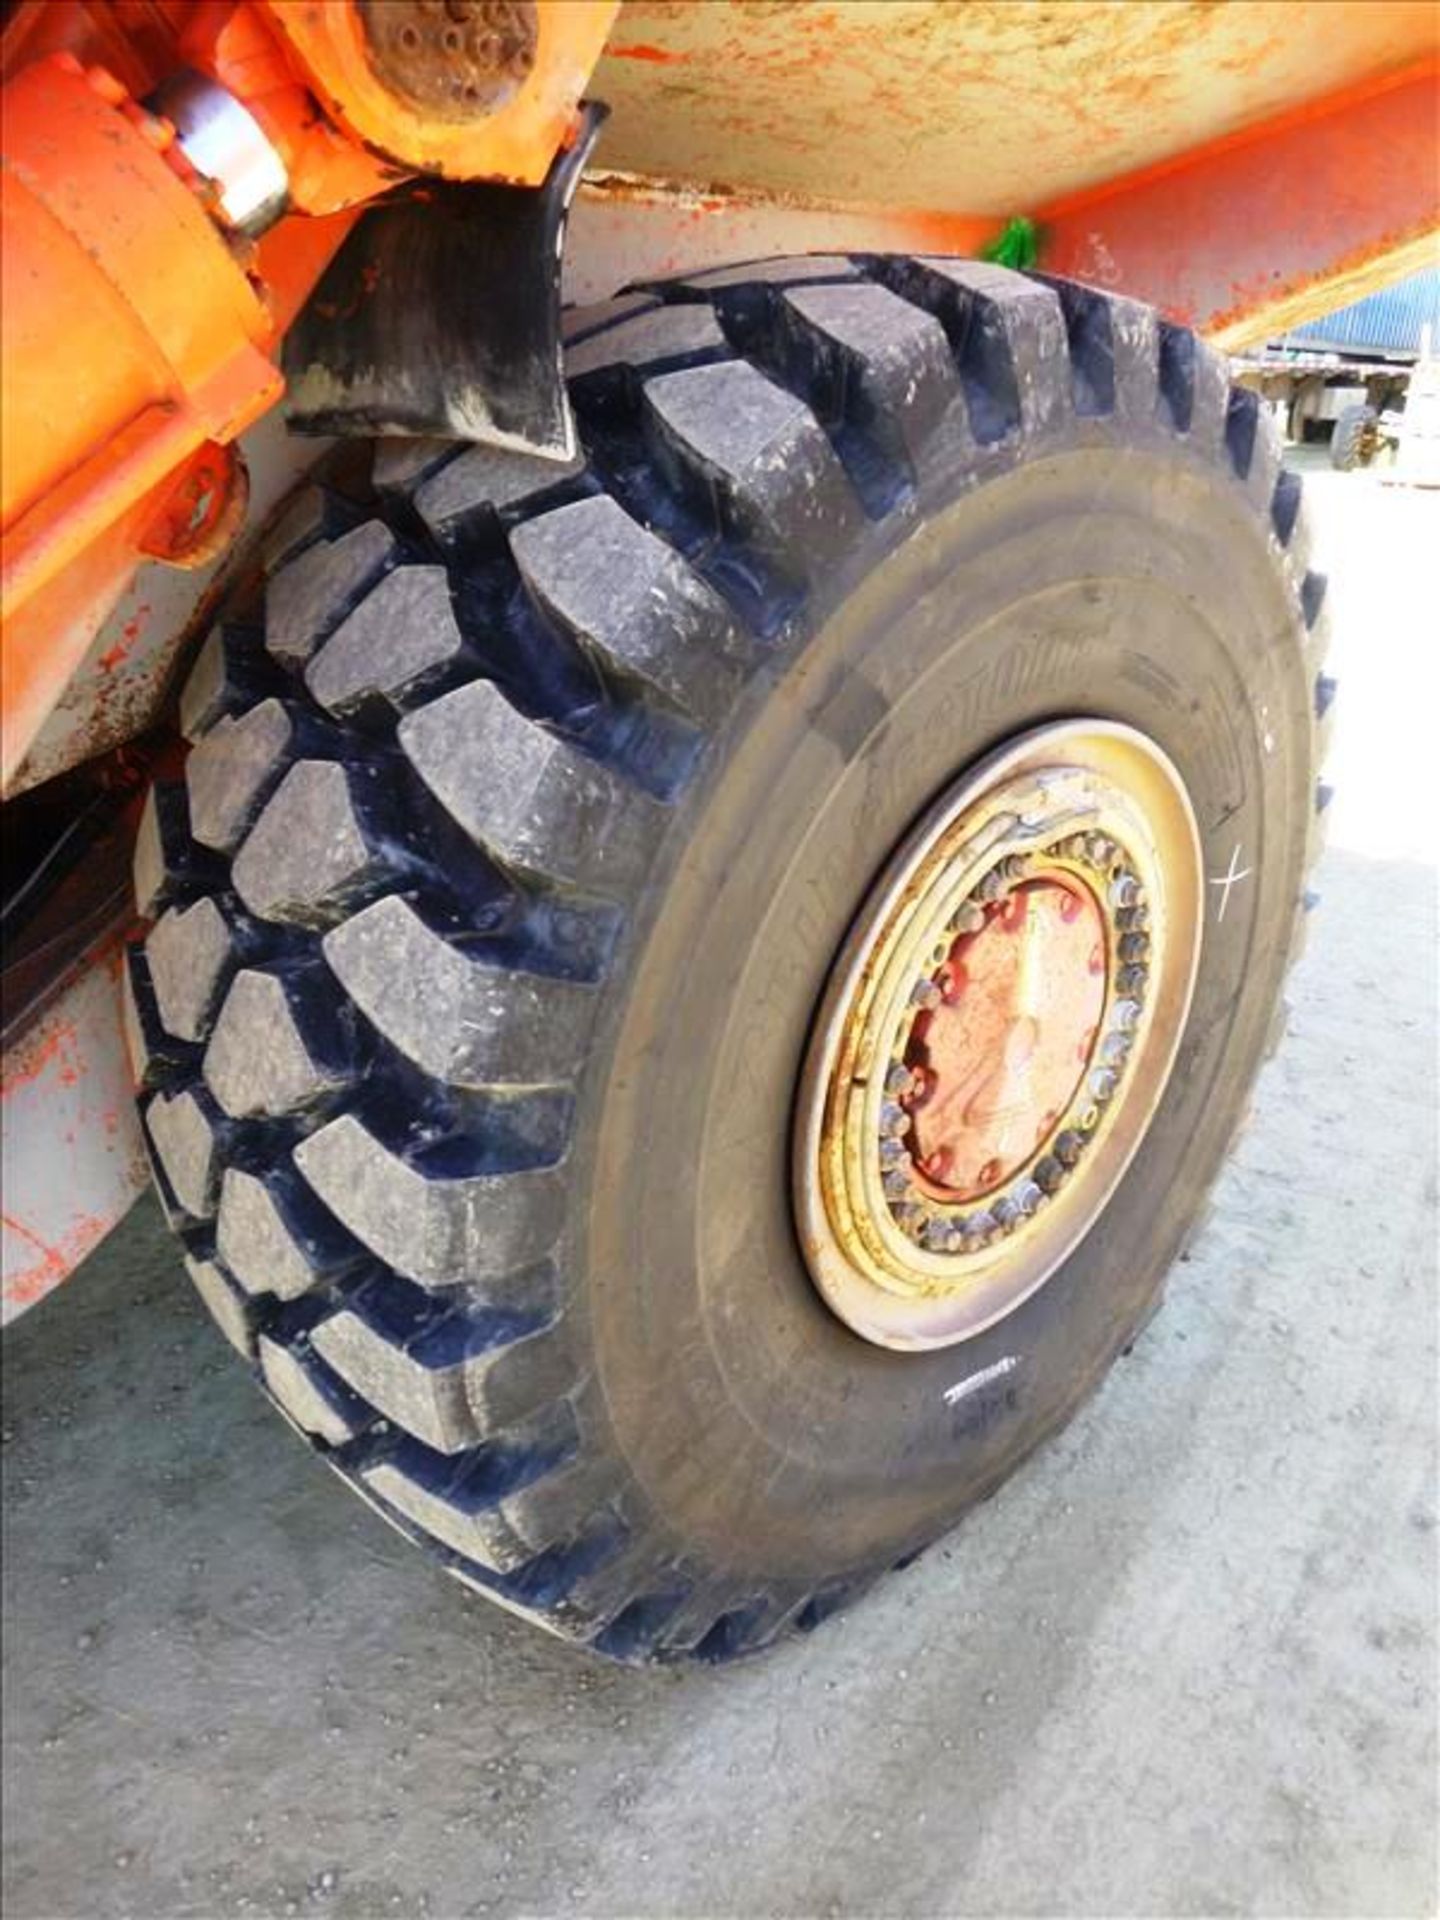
(258, 1062)
(153, 1053)
(401, 462)
(528, 798)
(1114, 348)
(1285, 505)
(139, 1025)
(460, 1016)
(449, 1370)
(309, 858)
(464, 500)
(1006, 335)
(182, 1132)
(630, 600)
(228, 676)
(232, 771)
(311, 1394)
(1194, 387)
(509, 1501)
(438, 1229)
(875, 361)
(1252, 441)
(1012, 335)
(316, 513)
(420, 1386)
(229, 1308)
(649, 337)
(754, 460)
(264, 1239)
(398, 640)
(168, 865)
(308, 597)
(190, 955)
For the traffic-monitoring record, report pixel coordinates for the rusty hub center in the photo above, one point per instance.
(997, 1062)
(997, 1034)
(454, 59)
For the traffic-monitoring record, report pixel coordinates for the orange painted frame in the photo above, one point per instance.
(516, 142)
(1248, 233)
(138, 336)
(1272, 225)
(133, 345)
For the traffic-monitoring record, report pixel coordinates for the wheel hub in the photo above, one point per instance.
(999, 1057)
(997, 1034)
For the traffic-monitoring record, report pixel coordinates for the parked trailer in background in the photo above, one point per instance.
(715, 847)
(1345, 377)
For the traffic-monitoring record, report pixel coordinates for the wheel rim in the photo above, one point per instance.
(997, 1033)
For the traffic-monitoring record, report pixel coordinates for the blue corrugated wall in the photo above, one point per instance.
(1388, 322)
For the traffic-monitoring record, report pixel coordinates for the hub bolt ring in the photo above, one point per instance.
(963, 1120)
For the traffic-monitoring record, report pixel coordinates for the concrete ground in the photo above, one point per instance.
(1183, 1665)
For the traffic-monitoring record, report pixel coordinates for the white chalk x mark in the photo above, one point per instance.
(1228, 881)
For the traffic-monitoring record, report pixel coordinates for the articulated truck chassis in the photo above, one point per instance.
(693, 862)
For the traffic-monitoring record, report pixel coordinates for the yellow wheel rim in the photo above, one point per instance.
(997, 1033)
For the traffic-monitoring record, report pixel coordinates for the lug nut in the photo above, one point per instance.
(1029, 1197)
(1068, 1147)
(1049, 1174)
(942, 1237)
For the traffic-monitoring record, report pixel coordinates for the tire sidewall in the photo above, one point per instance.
(1129, 584)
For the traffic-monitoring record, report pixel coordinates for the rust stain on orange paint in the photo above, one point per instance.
(657, 56)
(129, 634)
(53, 1263)
(33, 1058)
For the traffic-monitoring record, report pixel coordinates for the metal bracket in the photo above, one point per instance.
(440, 315)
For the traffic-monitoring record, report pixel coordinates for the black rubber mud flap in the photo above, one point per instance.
(440, 315)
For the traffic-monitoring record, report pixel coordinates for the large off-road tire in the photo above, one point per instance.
(524, 816)
(1348, 439)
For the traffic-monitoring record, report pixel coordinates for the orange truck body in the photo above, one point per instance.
(139, 335)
